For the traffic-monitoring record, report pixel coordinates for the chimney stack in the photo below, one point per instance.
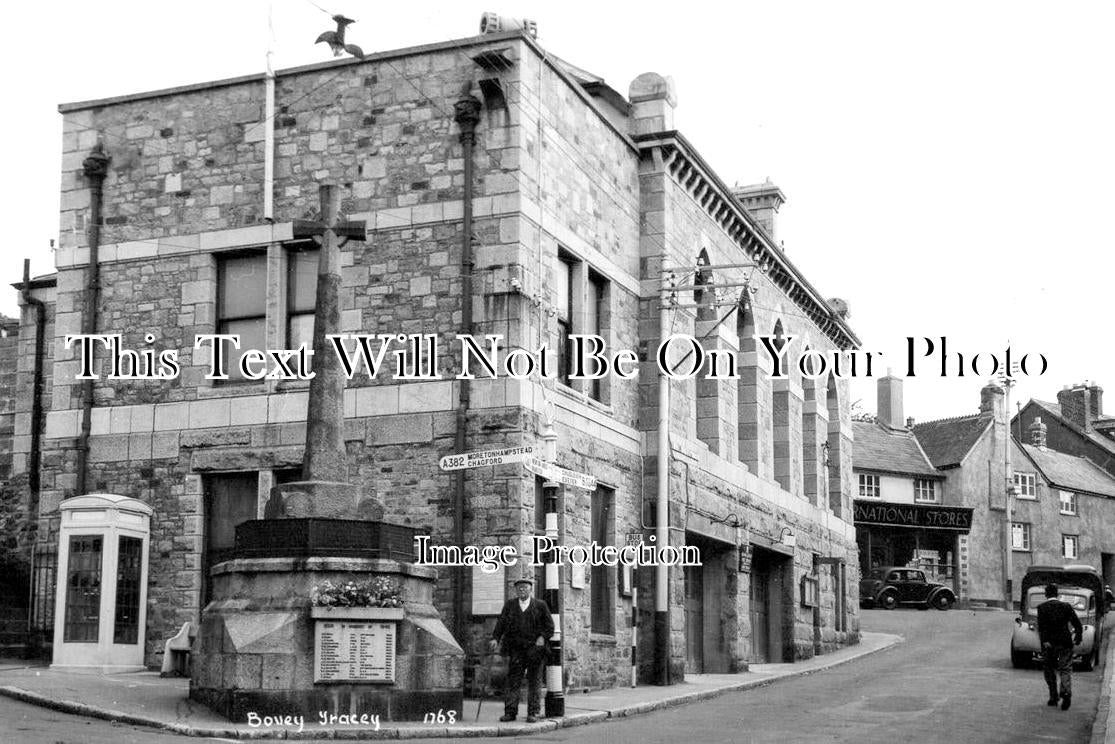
(762, 202)
(1081, 404)
(1037, 432)
(888, 402)
(992, 402)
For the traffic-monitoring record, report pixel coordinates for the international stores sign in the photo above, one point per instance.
(921, 516)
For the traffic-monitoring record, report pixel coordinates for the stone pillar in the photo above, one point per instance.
(653, 99)
(787, 407)
(814, 453)
(717, 417)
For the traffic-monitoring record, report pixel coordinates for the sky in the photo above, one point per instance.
(949, 168)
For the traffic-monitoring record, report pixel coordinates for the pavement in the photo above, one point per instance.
(146, 699)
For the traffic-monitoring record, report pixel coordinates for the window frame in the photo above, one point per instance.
(583, 284)
(599, 292)
(1026, 486)
(877, 486)
(919, 484)
(602, 578)
(1024, 532)
(223, 319)
(1070, 506)
(565, 315)
(1074, 540)
(290, 312)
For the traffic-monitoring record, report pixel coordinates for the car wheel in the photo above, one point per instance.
(1019, 659)
(888, 601)
(942, 601)
(1089, 662)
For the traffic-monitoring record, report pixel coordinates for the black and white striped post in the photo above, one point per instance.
(555, 677)
(634, 629)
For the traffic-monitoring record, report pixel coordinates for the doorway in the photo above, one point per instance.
(769, 605)
(230, 498)
(694, 620)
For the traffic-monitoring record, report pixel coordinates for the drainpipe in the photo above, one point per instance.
(466, 112)
(269, 141)
(34, 458)
(36, 386)
(662, 517)
(96, 168)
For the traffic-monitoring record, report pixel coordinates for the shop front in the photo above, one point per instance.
(925, 536)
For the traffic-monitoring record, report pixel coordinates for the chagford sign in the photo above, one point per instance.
(913, 515)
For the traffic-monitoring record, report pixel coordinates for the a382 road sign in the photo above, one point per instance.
(481, 459)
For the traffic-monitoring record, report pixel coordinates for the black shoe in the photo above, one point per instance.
(506, 717)
(1052, 701)
(1066, 701)
(532, 719)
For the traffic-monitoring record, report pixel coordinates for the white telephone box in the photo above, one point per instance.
(100, 608)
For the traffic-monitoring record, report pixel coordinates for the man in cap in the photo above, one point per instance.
(1059, 629)
(524, 626)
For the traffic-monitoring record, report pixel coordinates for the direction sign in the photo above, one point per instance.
(549, 471)
(490, 457)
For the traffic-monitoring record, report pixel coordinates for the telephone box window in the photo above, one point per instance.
(83, 589)
(128, 571)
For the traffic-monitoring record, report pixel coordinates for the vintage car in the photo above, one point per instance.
(1080, 586)
(892, 586)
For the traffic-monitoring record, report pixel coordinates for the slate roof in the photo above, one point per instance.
(1054, 409)
(947, 441)
(1070, 472)
(888, 451)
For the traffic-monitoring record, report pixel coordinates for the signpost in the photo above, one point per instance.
(525, 455)
(490, 457)
(557, 474)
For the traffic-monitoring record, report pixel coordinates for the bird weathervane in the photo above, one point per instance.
(336, 39)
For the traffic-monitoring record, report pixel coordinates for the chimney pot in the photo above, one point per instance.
(1038, 432)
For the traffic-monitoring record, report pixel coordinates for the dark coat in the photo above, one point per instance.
(1054, 619)
(518, 630)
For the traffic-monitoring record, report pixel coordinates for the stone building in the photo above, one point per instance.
(589, 214)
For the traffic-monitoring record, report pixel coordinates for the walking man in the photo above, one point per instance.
(524, 626)
(1055, 618)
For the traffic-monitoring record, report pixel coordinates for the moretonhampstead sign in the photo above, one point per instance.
(924, 516)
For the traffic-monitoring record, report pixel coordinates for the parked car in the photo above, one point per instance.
(1080, 586)
(892, 586)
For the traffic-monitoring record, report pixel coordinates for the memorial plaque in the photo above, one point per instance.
(354, 651)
